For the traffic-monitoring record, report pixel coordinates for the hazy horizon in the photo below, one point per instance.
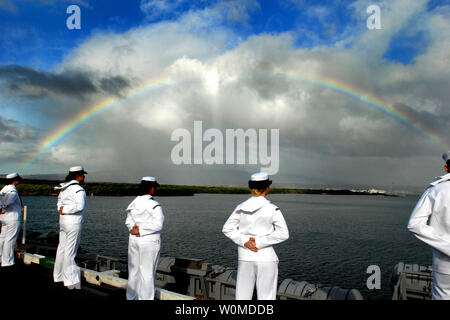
(101, 178)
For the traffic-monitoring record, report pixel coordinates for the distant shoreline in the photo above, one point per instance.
(46, 188)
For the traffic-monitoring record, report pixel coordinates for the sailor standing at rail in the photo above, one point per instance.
(255, 226)
(430, 222)
(10, 218)
(71, 208)
(144, 221)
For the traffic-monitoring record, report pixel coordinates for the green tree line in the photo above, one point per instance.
(30, 187)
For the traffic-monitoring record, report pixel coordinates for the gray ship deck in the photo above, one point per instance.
(35, 283)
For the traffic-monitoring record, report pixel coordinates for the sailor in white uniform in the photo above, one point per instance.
(10, 218)
(144, 221)
(255, 226)
(430, 222)
(71, 208)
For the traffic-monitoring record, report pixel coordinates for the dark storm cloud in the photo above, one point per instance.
(114, 85)
(31, 83)
(13, 131)
(71, 83)
(433, 124)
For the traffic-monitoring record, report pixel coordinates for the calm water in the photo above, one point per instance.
(333, 239)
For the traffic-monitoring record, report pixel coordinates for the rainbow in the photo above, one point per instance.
(408, 119)
(73, 124)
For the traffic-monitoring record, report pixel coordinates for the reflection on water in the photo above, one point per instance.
(333, 239)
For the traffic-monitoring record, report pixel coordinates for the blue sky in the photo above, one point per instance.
(34, 33)
(215, 50)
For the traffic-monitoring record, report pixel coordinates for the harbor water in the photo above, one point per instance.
(333, 238)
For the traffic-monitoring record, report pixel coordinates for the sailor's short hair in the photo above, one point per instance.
(145, 186)
(259, 185)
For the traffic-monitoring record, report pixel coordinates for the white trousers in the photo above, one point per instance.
(440, 286)
(263, 274)
(8, 238)
(143, 256)
(66, 269)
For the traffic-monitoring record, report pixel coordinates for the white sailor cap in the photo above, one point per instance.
(259, 180)
(151, 179)
(446, 156)
(77, 169)
(259, 176)
(13, 175)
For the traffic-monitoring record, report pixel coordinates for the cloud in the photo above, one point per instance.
(155, 8)
(13, 131)
(16, 142)
(115, 84)
(231, 12)
(237, 11)
(31, 83)
(395, 16)
(229, 82)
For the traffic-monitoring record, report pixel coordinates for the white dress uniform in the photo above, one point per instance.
(256, 217)
(73, 198)
(11, 221)
(143, 251)
(435, 231)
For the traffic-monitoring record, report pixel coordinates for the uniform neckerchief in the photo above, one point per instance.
(66, 184)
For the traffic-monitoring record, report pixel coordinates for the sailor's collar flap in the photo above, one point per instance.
(439, 180)
(64, 185)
